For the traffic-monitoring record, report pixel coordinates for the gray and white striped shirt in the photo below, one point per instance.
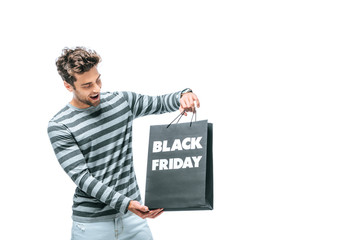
(94, 147)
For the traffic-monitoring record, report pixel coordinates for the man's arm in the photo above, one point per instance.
(72, 161)
(142, 105)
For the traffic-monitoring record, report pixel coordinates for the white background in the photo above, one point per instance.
(279, 80)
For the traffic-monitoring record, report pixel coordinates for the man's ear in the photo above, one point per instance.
(68, 86)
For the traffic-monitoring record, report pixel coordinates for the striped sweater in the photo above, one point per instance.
(94, 147)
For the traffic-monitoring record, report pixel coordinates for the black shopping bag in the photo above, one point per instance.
(180, 167)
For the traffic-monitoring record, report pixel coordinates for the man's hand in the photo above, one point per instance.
(143, 211)
(187, 102)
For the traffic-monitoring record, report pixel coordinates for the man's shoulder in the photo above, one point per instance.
(118, 96)
(113, 98)
(56, 122)
(107, 96)
(61, 114)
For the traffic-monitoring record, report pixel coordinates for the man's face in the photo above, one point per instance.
(86, 90)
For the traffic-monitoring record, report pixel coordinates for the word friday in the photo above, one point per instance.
(178, 145)
(175, 163)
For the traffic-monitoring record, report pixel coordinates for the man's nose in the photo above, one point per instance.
(96, 88)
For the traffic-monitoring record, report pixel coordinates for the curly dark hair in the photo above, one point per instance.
(78, 60)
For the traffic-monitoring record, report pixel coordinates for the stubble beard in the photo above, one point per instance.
(87, 102)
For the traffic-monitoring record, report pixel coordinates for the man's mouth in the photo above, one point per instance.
(95, 97)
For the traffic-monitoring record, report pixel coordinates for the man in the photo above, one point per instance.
(92, 139)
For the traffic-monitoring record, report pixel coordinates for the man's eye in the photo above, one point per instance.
(87, 86)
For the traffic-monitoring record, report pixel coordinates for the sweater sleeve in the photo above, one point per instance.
(141, 105)
(73, 162)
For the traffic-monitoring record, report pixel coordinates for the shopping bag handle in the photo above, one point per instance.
(180, 115)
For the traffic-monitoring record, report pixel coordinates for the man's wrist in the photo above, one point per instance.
(127, 206)
(186, 90)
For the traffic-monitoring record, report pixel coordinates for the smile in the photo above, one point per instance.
(95, 97)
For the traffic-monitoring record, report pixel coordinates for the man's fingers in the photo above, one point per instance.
(181, 110)
(150, 214)
(155, 213)
(144, 209)
(197, 101)
(139, 213)
(158, 214)
(191, 103)
(187, 103)
(140, 207)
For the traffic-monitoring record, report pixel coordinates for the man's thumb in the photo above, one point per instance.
(145, 209)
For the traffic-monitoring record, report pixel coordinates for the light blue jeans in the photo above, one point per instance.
(127, 227)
